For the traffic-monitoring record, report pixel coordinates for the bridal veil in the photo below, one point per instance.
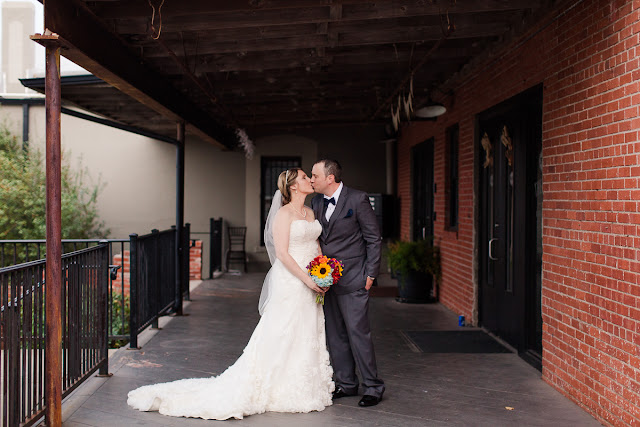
(276, 204)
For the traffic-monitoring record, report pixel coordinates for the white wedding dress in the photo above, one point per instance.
(284, 367)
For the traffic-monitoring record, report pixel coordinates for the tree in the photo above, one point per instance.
(22, 196)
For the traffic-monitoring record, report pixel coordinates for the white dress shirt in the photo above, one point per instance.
(331, 206)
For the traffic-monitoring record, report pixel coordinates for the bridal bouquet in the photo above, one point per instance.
(324, 272)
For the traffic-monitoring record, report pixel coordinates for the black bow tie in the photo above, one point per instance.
(327, 201)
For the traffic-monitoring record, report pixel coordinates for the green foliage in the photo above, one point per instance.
(22, 191)
(420, 256)
(119, 324)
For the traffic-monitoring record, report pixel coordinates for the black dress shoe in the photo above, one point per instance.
(368, 400)
(339, 392)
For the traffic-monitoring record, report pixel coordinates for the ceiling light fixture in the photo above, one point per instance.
(430, 111)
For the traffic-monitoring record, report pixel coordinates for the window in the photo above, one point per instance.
(270, 169)
(452, 176)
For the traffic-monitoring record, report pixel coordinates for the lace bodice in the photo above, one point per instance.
(303, 240)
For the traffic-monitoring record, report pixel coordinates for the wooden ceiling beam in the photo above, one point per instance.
(249, 62)
(192, 38)
(127, 9)
(89, 44)
(325, 81)
(313, 41)
(194, 41)
(304, 120)
(377, 56)
(208, 21)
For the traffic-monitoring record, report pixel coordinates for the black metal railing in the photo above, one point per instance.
(212, 245)
(13, 252)
(22, 330)
(153, 279)
(152, 276)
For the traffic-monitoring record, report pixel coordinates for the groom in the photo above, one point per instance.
(350, 233)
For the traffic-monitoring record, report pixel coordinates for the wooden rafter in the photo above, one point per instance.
(89, 44)
(277, 62)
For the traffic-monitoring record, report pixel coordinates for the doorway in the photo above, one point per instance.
(422, 190)
(509, 142)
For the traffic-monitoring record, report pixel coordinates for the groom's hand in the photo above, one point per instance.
(369, 283)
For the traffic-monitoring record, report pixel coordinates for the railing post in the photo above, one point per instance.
(133, 291)
(215, 246)
(156, 278)
(211, 233)
(179, 216)
(12, 351)
(186, 261)
(103, 303)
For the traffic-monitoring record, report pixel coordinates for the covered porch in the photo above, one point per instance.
(286, 71)
(423, 388)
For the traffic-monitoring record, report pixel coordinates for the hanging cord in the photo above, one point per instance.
(446, 32)
(408, 78)
(153, 18)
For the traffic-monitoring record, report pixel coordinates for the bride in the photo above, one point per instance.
(285, 366)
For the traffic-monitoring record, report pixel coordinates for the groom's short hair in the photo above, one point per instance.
(332, 167)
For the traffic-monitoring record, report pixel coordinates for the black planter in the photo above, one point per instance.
(415, 287)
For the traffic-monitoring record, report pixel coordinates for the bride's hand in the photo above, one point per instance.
(315, 288)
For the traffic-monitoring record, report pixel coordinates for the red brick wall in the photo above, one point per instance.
(588, 63)
(195, 261)
(123, 272)
(195, 267)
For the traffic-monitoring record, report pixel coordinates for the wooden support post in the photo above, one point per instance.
(53, 281)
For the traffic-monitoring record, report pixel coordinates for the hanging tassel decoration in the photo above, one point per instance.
(245, 143)
(406, 103)
(488, 155)
(394, 119)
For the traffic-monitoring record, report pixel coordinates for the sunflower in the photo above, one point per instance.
(321, 270)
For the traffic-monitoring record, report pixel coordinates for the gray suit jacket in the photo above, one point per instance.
(351, 236)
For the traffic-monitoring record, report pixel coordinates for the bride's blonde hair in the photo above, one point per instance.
(285, 181)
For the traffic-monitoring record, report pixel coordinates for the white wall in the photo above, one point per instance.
(138, 175)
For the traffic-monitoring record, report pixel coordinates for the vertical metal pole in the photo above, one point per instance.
(25, 127)
(156, 298)
(211, 248)
(186, 262)
(53, 283)
(179, 218)
(133, 290)
(103, 311)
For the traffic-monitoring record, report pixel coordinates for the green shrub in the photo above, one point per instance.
(23, 194)
(117, 324)
(421, 256)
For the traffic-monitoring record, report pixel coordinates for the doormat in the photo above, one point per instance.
(455, 342)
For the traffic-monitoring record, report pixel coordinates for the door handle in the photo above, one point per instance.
(491, 257)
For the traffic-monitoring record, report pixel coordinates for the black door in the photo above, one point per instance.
(510, 251)
(422, 189)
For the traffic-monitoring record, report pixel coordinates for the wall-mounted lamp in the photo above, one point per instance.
(430, 111)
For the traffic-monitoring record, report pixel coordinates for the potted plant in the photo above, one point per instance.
(415, 265)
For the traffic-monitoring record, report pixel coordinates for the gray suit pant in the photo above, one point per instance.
(349, 340)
